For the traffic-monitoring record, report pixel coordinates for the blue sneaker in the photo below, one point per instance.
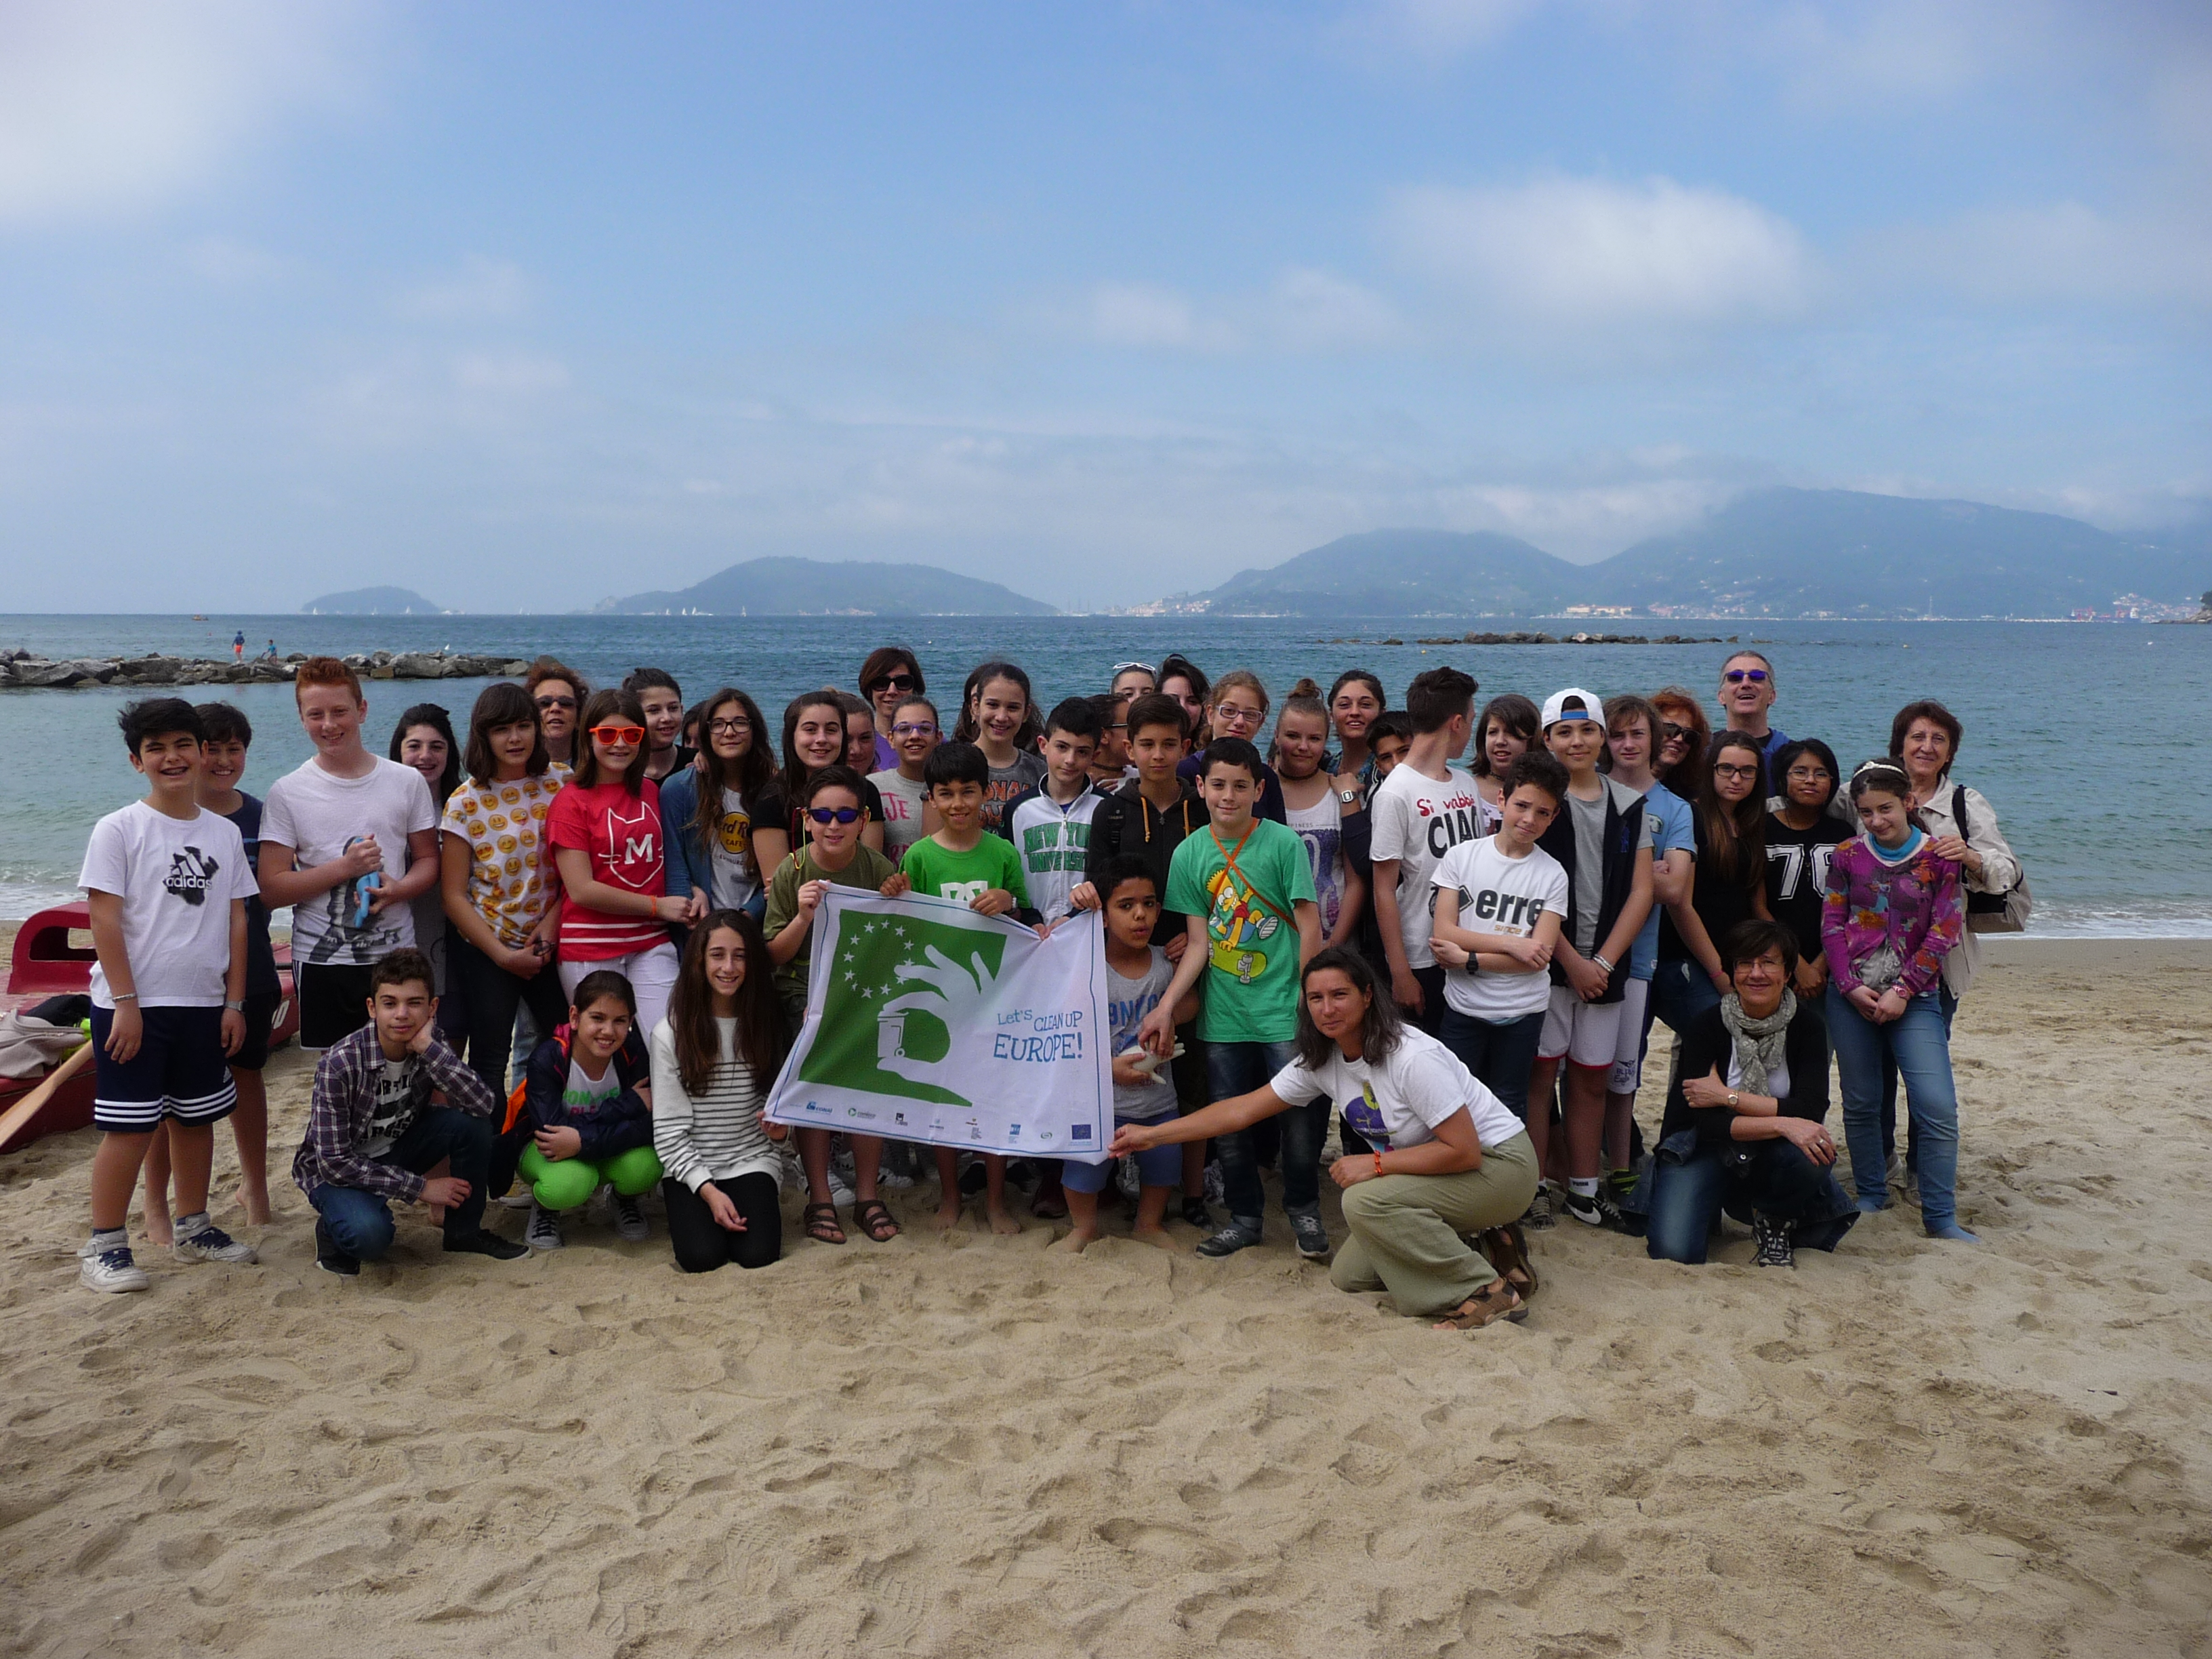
(1238, 1235)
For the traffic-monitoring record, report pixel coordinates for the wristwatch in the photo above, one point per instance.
(1733, 1098)
(235, 1008)
(1347, 796)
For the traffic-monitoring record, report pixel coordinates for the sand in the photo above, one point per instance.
(966, 1445)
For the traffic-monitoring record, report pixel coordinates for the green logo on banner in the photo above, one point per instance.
(895, 988)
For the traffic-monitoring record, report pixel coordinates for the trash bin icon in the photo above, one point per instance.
(890, 1037)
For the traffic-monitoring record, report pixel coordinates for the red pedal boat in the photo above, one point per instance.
(47, 964)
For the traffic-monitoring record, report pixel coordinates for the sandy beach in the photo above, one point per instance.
(964, 1444)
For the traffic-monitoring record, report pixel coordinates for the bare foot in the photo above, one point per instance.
(1157, 1237)
(1001, 1223)
(256, 1206)
(947, 1217)
(1077, 1240)
(159, 1228)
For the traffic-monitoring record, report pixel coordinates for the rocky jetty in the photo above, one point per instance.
(21, 670)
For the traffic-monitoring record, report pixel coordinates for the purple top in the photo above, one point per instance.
(1914, 908)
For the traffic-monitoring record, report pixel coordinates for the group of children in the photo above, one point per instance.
(569, 950)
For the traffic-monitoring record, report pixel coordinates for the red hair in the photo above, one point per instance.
(327, 671)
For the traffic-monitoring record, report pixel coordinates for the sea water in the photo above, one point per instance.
(2089, 740)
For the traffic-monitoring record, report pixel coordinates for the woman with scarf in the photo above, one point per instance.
(1743, 1131)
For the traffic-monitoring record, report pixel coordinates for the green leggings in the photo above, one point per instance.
(564, 1185)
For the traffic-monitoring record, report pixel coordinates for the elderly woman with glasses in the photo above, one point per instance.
(1744, 1131)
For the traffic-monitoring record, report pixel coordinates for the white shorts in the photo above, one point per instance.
(651, 974)
(1586, 1033)
(1628, 1057)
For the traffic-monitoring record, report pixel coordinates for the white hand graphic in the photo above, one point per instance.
(954, 995)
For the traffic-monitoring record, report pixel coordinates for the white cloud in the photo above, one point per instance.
(1304, 310)
(482, 290)
(109, 106)
(1443, 27)
(2062, 251)
(1575, 253)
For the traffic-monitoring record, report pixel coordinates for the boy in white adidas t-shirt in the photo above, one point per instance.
(166, 882)
(1500, 903)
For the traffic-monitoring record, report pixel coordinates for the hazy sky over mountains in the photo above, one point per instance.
(598, 299)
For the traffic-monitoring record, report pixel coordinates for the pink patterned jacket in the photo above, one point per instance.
(1914, 908)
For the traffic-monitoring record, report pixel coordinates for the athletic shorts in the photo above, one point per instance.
(180, 1072)
(260, 1019)
(1587, 1033)
(333, 1001)
(1628, 1057)
(1159, 1166)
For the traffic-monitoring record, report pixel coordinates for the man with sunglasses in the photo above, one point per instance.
(1747, 693)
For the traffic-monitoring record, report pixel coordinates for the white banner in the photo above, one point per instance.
(927, 1022)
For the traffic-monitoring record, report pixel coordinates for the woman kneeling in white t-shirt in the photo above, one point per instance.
(1450, 1160)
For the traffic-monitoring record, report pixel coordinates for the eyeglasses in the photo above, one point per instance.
(1230, 711)
(728, 728)
(833, 814)
(893, 682)
(632, 734)
(914, 729)
(1737, 676)
(1724, 771)
(557, 702)
(1808, 773)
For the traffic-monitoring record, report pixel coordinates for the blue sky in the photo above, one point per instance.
(527, 305)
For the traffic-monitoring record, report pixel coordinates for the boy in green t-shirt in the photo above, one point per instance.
(983, 871)
(1245, 890)
(835, 855)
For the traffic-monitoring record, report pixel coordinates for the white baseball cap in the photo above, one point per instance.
(1555, 708)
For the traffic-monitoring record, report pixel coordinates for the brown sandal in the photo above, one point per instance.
(821, 1221)
(1494, 1300)
(874, 1218)
(1507, 1247)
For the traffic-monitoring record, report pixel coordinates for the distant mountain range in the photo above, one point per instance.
(373, 602)
(1772, 553)
(813, 588)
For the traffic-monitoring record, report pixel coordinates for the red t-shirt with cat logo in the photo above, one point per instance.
(622, 835)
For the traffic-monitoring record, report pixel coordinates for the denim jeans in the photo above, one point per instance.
(1771, 1177)
(1238, 1068)
(1920, 1042)
(1680, 992)
(1499, 1055)
(1889, 1089)
(361, 1221)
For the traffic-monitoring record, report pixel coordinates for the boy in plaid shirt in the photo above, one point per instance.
(372, 1130)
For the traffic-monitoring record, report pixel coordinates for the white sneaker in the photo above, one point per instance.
(518, 1200)
(893, 1180)
(111, 1270)
(211, 1243)
(841, 1194)
(629, 1220)
(543, 1232)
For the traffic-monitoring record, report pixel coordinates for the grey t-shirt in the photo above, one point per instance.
(394, 1112)
(1590, 854)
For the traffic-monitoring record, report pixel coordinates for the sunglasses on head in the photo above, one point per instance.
(833, 814)
(619, 733)
(1121, 668)
(1737, 676)
(897, 680)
